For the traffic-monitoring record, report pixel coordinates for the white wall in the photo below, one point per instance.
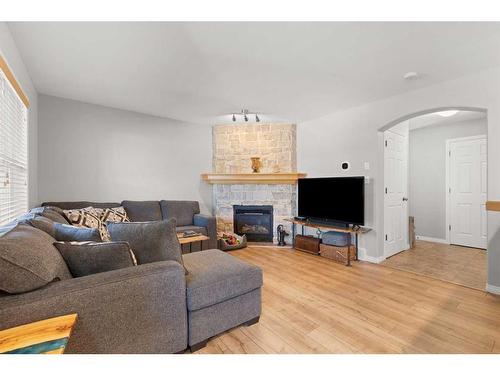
(11, 55)
(90, 152)
(427, 173)
(355, 135)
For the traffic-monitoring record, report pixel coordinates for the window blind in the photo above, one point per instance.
(13, 152)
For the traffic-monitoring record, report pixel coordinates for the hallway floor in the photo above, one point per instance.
(457, 264)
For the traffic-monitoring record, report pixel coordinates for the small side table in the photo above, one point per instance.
(48, 336)
(184, 240)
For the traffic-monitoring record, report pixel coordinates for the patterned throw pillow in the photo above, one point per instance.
(115, 215)
(88, 217)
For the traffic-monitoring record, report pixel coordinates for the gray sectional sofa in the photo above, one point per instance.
(187, 214)
(149, 308)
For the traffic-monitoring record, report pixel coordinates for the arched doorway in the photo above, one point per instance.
(419, 179)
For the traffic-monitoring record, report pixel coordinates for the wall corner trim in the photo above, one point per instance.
(493, 289)
(432, 239)
(367, 258)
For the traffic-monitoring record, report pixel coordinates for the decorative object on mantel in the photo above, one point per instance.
(256, 164)
(252, 178)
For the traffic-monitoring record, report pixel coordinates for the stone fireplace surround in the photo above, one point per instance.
(233, 145)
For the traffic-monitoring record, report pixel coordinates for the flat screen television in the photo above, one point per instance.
(332, 199)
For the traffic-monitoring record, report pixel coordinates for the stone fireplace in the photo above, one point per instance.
(233, 146)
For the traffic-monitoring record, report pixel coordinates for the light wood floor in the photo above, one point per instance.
(457, 264)
(312, 305)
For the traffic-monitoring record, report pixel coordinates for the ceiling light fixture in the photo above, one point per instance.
(245, 113)
(449, 113)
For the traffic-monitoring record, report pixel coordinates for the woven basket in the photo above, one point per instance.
(225, 247)
(337, 253)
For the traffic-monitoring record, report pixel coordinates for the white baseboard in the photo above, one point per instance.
(432, 239)
(367, 258)
(493, 289)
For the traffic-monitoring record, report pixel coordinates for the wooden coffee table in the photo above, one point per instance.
(189, 240)
(49, 336)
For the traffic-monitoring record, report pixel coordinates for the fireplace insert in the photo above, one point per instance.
(256, 222)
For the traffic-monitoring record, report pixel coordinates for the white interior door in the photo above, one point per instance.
(467, 191)
(396, 189)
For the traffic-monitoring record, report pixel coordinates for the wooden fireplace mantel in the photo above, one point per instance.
(252, 178)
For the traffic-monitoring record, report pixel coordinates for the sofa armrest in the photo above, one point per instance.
(210, 223)
(138, 309)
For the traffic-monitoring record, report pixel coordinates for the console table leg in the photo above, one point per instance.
(293, 234)
(356, 237)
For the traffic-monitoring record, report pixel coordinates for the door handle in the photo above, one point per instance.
(405, 199)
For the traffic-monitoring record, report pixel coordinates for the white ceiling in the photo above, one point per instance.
(433, 119)
(199, 72)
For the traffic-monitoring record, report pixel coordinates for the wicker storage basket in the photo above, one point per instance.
(336, 253)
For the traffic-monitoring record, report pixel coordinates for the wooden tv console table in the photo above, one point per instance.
(319, 226)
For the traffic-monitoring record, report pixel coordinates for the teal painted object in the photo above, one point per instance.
(43, 347)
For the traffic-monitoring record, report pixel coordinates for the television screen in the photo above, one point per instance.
(336, 199)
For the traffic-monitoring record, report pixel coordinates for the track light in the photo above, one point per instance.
(245, 113)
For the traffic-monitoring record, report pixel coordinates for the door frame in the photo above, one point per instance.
(448, 170)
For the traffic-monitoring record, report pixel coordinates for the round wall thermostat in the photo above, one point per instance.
(345, 165)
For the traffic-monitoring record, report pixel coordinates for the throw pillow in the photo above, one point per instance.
(87, 217)
(65, 232)
(43, 223)
(54, 216)
(29, 260)
(88, 258)
(152, 241)
(50, 212)
(115, 215)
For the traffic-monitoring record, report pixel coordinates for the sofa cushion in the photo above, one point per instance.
(29, 260)
(194, 228)
(143, 210)
(151, 241)
(65, 232)
(182, 211)
(214, 276)
(88, 258)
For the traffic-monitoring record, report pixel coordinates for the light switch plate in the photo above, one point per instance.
(367, 166)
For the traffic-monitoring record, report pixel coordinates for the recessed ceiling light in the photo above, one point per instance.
(410, 76)
(448, 113)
